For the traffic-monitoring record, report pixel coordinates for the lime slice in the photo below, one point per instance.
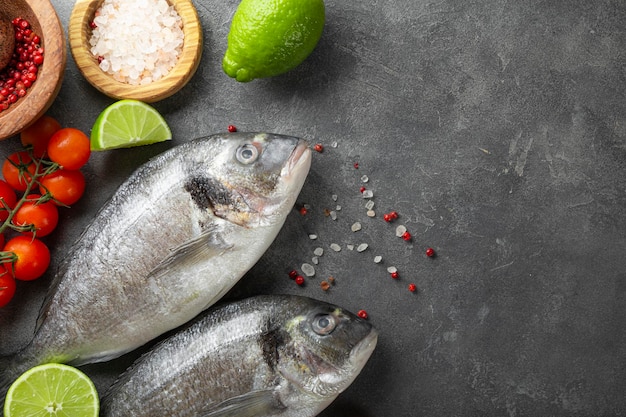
(52, 389)
(128, 123)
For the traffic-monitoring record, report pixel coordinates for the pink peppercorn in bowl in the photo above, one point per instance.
(81, 28)
(45, 80)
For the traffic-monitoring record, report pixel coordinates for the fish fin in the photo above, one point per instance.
(251, 404)
(207, 245)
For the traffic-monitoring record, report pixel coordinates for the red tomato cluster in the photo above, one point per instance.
(46, 175)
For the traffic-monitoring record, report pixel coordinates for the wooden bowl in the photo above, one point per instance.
(80, 32)
(45, 22)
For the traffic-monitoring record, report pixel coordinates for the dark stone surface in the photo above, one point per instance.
(497, 130)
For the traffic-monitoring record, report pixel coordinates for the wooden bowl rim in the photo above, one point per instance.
(188, 61)
(44, 90)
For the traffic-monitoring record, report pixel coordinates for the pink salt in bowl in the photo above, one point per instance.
(80, 32)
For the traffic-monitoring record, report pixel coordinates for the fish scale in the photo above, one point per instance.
(155, 255)
(261, 356)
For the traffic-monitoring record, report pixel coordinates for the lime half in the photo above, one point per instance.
(52, 389)
(128, 123)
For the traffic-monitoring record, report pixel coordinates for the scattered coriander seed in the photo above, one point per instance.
(356, 227)
(430, 252)
(335, 247)
(362, 314)
(324, 285)
(400, 230)
(331, 280)
(378, 259)
(308, 270)
(318, 251)
(362, 247)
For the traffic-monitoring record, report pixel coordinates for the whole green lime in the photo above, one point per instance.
(271, 37)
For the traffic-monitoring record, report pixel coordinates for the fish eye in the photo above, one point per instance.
(247, 154)
(324, 324)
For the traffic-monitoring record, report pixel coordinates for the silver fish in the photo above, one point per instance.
(263, 356)
(173, 239)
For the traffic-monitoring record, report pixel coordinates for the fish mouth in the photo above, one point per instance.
(299, 161)
(363, 350)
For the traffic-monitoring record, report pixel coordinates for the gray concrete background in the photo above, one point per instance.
(497, 130)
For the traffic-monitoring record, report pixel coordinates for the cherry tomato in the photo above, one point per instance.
(16, 169)
(43, 216)
(39, 133)
(7, 286)
(8, 199)
(66, 187)
(69, 148)
(33, 257)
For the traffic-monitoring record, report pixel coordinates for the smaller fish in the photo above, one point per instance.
(262, 356)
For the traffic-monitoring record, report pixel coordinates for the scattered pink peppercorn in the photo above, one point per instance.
(430, 252)
(362, 314)
(303, 211)
(412, 287)
(356, 165)
(93, 25)
(299, 280)
(362, 189)
(395, 275)
(406, 236)
(293, 274)
(394, 214)
(318, 147)
(387, 217)
(232, 128)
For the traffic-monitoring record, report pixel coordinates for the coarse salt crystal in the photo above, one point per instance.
(335, 247)
(371, 213)
(308, 269)
(400, 230)
(392, 269)
(356, 227)
(138, 41)
(318, 252)
(312, 236)
(362, 247)
(378, 259)
(370, 204)
(368, 194)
